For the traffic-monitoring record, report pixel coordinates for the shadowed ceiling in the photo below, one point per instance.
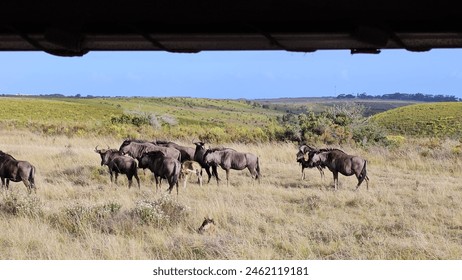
(73, 28)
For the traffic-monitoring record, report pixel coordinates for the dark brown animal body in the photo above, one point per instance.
(302, 159)
(118, 163)
(199, 157)
(231, 159)
(338, 161)
(163, 167)
(187, 153)
(136, 149)
(16, 171)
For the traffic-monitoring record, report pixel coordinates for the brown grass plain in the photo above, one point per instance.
(412, 209)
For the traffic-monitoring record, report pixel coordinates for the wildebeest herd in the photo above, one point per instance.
(170, 161)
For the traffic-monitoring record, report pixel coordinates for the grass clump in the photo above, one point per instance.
(162, 212)
(79, 219)
(18, 204)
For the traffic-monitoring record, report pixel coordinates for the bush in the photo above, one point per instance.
(21, 205)
(79, 219)
(134, 119)
(163, 212)
(395, 141)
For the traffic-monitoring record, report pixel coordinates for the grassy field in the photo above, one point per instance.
(411, 211)
(176, 117)
(442, 119)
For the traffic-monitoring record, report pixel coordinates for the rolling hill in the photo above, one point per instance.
(426, 119)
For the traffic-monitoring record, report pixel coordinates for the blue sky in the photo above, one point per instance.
(233, 74)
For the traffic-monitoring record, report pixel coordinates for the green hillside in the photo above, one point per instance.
(426, 119)
(187, 118)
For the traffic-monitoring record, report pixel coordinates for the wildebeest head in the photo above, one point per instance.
(302, 153)
(199, 146)
(106, 154)
(123, 148)
(315, 158)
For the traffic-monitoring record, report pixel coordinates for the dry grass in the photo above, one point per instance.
(411, 211)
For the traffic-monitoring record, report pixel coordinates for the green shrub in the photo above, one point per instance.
(395, 141)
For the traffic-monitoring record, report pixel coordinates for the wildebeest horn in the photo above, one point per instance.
(96, 148)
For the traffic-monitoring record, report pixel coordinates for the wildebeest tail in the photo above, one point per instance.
(364, 171)
(176, 173)
(32, 176)
(258, 169)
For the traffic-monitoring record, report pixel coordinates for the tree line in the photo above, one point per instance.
(403, 96)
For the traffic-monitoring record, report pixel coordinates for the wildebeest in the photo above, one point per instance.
(136, 149)
(199, 157)
(191, 167)
(162, 166)
(118, 163)
(302, 159)
(339, 162)
(16, 171)
(231, 159)
(187, 153)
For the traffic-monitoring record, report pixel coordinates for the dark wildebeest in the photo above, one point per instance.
(136, 149)
(199, 157)
(163, 167)
(339, 162)
(302, 159)
(231, 159)
(118, 163)
(16, 171)
(187, 153)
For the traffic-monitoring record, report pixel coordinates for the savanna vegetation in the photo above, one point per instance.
(411, 210)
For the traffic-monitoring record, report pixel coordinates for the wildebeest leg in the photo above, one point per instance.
(254, 174)
(129, 181)
(110, 175)
(27, 184)
(137, 180)
(7, 184)
(361, 178)
(116, 176)
(303, 173)
(32, 184)
(335, 180)
(199, 176)
(207, 169)
(320, 171)
(215, 172)
(157, 182)
(227, 177)
(185, 178)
